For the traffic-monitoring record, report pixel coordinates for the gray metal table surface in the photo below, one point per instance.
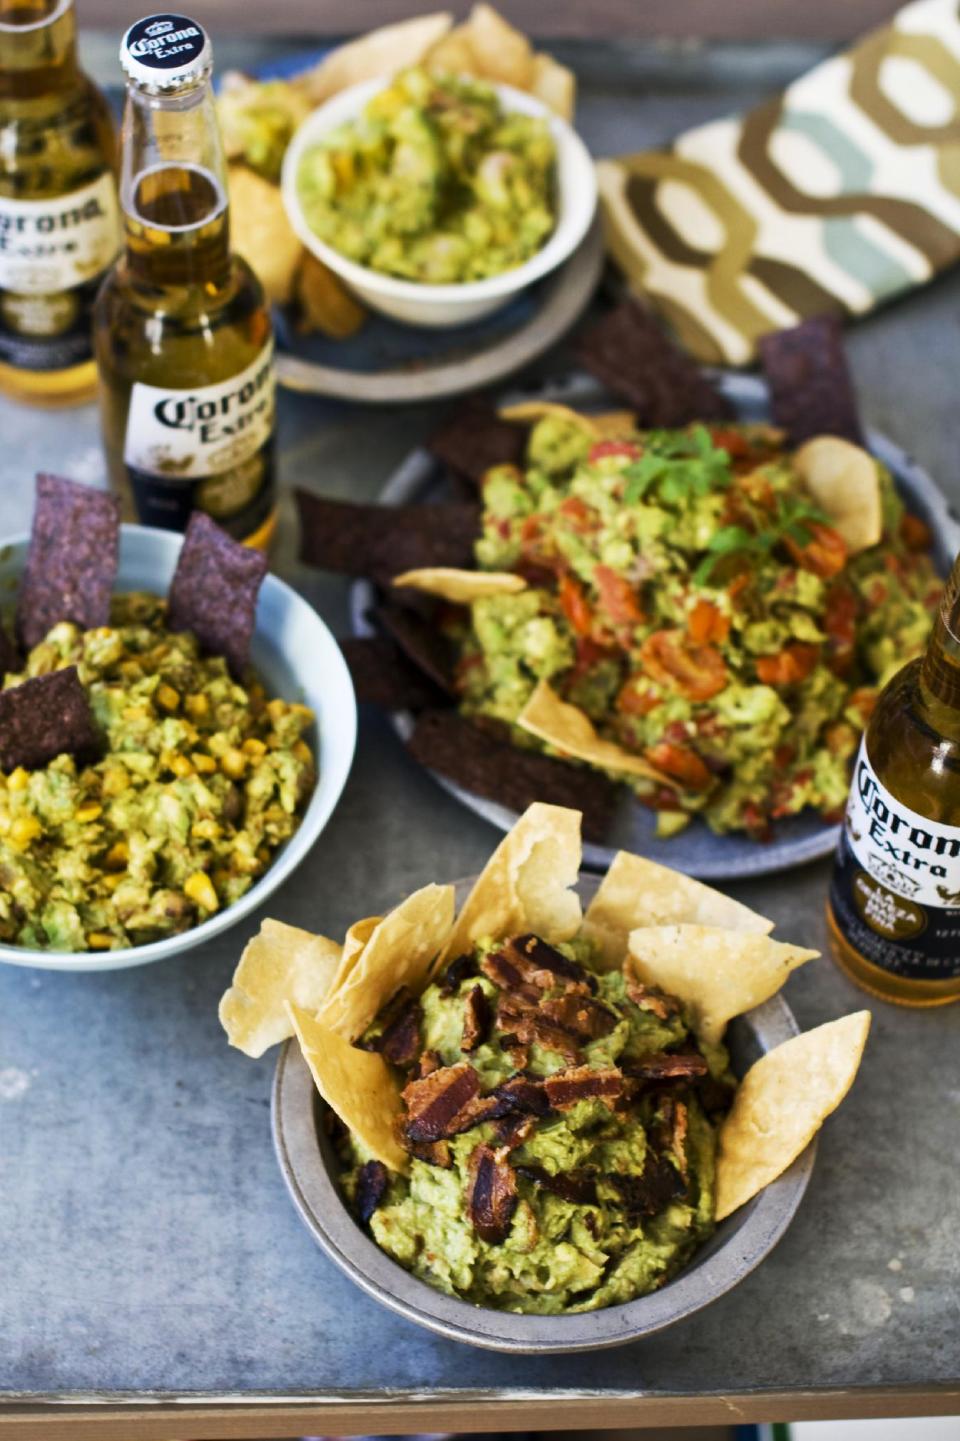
(154, 1278)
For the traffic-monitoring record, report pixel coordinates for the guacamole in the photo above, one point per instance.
(686, 594)
(198, 781)
(561, 1124)
(434, 182)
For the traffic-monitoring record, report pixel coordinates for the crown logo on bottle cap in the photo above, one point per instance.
(159, 27)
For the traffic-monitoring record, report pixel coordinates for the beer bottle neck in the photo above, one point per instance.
(940, 668)
(173, 189)
(38, 48)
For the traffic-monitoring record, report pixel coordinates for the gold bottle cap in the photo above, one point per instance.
(164, 53)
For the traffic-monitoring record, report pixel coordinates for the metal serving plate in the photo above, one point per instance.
(740, 1243)
(696, 850)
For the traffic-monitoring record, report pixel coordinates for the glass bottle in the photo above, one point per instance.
(183, 337)
(59, 226)
(894, 907)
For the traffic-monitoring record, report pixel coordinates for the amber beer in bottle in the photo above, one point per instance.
(59, 226)
(894, 908)
(183, 337)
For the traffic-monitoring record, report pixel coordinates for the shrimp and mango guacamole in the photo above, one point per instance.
(196, 781)
(702, 612)
(532, 1106)
(434, 182)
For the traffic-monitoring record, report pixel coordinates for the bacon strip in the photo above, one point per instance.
(669, 1131)
(656, 1002)
(652, 1191)
(582, 1083)
(429, 1062)
(491, 1194)
(526, 1026)
(581, 1016)
(527, 965)
(476, 1019)
(400, 1041)
(372, 1182)
(435, 1153)
(439, 1105)
(573, 1186)
(667, 1066)
(458, 970)
(522, 1093)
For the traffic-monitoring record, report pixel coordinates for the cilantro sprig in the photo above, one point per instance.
(681, 467)
(736, 539)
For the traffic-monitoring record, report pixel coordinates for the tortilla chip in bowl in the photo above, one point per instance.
(400, 1094)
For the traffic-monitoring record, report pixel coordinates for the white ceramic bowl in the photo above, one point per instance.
(440, 306)
(298, 659)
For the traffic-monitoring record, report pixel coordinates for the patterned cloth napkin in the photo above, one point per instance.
(835, 196)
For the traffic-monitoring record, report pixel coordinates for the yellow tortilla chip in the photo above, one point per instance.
(636, 892)
(844, 481)
(502, 53)
(381, 52)
(353, 943)
(717, 973)
(461, 586)
(453, 55)
(528, 412)
(399, 952)
(261, 232)
(358, 1085)
(567, 729)
(615, 424)
(782, 1102)
(555, 85)
(527, 883)
(323, 302)
(280, 963)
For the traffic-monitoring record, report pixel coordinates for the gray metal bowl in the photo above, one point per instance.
(310, 1169)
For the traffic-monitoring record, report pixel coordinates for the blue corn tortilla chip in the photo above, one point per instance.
(383, 676)
(214, 591)
(381, 541)
(72, 561)
(9, 655)
(45, 717)
(811, 390)
(475, 438)
(631, 354)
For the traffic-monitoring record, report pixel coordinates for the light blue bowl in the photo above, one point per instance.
(297, 658)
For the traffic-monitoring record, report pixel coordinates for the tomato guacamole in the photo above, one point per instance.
(434, 182)
(198, 781)
(687, 594)
(557, 1115)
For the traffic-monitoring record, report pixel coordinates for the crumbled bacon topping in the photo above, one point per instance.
(429, 1062)
(581, 1016)
(491, 1194)
(524, 1094)
(575, 1186)
(669, 1131)
(581, 1083)
(458, 970)
(440, 1105)
(652, 1191)
(667, 1066)
(372, 1182)
(526, 1025)
(400, 1041)
(476, 1019)
(649, 999)
(435, 1153)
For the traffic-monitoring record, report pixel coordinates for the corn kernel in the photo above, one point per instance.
(135, 713)
(99, 941)
(197, 706)
(302, 751)
(117, 856)
(167, 697)
(181, 766)
(18, 780)
(205, 764)
(199, 888)
(115, 781)
(89, 812)
(205, 829)
(116, 878)
(303, 711)
(233, 763)
(276, 709)
(24, 829)
(254, 747)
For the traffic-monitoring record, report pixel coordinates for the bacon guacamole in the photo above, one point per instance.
(560, 1121)
(433, 182)
(196, 780)
(687, 592)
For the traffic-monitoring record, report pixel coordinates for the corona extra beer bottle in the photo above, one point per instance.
(59, 226)
(894, 908)
(183, 338)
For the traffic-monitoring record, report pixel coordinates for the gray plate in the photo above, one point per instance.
(467, 364)
(696, 850)
(739, 1244)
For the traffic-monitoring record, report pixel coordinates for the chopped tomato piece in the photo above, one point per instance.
(637, 698)
(617, 596)
(575, 606)
(614, 447)
(756, 822)
(825, 553)
(784, 756)
(732, 441)
(840, 623)
(914, 533)
(680, 763)
(696, 671)
(738, 585)
(530, 530)
(706, 622)
(792, 664)
(578, 513)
